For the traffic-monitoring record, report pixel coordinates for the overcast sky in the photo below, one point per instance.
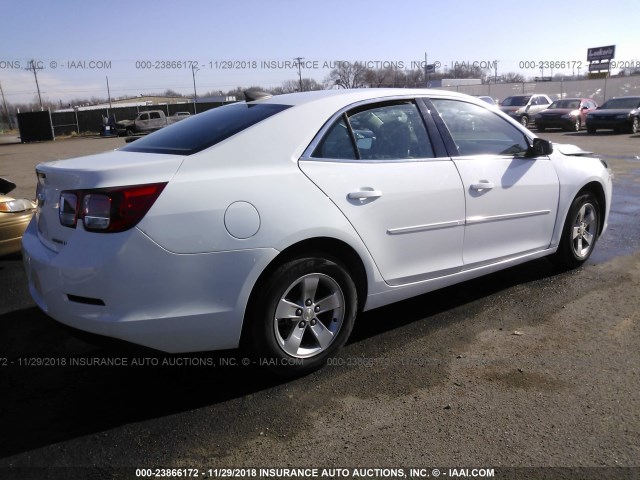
(79, 43)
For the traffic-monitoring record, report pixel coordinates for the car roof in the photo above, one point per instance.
(348, 96)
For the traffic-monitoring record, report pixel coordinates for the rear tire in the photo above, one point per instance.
(580, 232)
(303, 314)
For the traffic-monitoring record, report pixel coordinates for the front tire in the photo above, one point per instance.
(580, 232)
(634, 127)
(524, 121)
(303, 314)
(575, 126)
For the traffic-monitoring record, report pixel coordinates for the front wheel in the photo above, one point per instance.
(575, 126)
(634, 127)
(303, 314)
(524, 120)
(580, 232)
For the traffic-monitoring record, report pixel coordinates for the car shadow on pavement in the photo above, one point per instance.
(58, 387)
(472, 294)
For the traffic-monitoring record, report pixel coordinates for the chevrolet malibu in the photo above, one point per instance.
(269, 224)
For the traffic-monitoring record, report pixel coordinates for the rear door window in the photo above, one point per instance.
(386, 131)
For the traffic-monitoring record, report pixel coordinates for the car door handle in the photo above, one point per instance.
(364, 194)
(482, 186)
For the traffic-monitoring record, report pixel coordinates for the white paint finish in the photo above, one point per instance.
(180, 282)
(175, 303)
(242, 220)
(411, 193)
(506, 219)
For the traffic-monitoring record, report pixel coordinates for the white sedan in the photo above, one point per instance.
(269, 224)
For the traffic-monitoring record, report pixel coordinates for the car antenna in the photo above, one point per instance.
(252, 95)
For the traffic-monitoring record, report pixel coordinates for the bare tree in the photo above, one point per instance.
(348, 75)
(512, 77)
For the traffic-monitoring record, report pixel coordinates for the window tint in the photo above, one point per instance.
(337, 143)
(144, 116)
(381, 132)
(479, 131)
(201, 131)
(516, 101)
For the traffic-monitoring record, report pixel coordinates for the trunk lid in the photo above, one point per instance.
(111, 169)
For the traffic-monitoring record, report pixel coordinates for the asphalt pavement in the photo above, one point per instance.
(532, 371)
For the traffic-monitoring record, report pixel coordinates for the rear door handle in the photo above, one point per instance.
(364, 194)
(482, 186)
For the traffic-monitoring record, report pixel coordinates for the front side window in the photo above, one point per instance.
(387, 131)
(478, 131)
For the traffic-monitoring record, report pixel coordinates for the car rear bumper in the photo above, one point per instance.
(132, 289)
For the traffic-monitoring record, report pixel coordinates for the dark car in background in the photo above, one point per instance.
(569, 114)
(621, 114)
(524, 108)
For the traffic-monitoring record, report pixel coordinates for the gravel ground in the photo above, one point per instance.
(529, 367)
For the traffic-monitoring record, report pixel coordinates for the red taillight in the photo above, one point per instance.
(108, 209)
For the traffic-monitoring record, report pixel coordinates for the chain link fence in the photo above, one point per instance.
(599, 90)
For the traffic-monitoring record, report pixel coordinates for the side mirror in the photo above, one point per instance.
(540, 148)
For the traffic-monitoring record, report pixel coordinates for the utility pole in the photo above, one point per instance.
(109, 94)
(34, 69)
(495, 77)
(299, 59)
(6, 109)
(195, 94)
(426, 71)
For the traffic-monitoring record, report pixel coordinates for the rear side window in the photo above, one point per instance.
(204, 130)
(389, 131)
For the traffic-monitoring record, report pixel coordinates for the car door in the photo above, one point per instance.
(511, 200)
(142, 123)
(378, 165)
(538, 104)
(156, 121)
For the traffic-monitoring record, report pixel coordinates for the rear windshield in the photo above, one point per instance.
(204, 130)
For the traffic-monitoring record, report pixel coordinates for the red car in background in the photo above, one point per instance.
(568, 113)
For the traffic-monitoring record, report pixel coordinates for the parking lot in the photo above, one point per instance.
(528, 367)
